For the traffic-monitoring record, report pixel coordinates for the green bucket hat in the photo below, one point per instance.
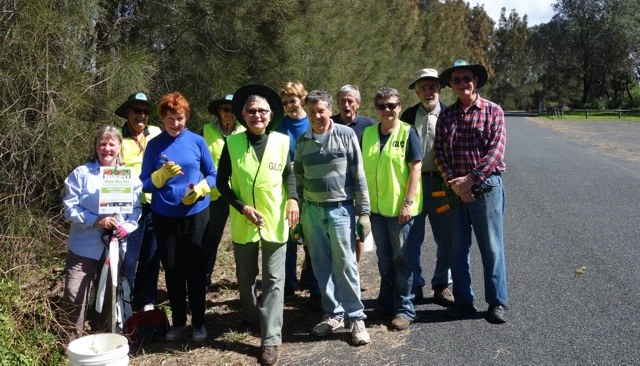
(138, 97)
(215, 105)
(478, 70)
(275, 103)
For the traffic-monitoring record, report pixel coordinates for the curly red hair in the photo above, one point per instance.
(173, 103)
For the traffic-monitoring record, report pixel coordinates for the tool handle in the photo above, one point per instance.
(438, 194)
(443, 208)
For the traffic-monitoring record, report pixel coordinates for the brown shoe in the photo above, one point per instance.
(443, 297)
(400, 323)
(269, 355)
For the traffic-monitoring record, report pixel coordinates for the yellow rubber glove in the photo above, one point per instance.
(199, 190)
(363, 227)
(166, 171)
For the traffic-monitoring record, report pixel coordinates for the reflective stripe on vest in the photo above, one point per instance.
(387, 171)
(259, 184)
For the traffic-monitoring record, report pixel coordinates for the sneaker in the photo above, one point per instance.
(148, 307)
(443, 296)
(461, 311)
(269, 355)
(199, 333)
(175, 332)
(327, 326)
(400, 323)
(497, 314)
(359, 334)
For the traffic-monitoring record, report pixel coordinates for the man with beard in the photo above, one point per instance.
(423, 117)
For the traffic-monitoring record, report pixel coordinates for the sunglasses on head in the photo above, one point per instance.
(464, 79)
(383, 106)
(140, 111)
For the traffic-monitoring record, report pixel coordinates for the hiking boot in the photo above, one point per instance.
(176, 332)
(359, 334)
(327, 326)
(400, 323)
(461, 311)
(269, 355)
(199, 333)
(443, 296)
(497, 314)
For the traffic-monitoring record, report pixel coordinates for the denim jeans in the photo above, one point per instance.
(270, 311)
(442, 273)
(485, 215)
(396, 275)
(330, 235)
(141, 263)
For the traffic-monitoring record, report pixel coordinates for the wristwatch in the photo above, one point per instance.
(408, 201)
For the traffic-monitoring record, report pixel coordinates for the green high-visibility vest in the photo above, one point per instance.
(215, 141)
(132, 156)
(259, 184)
(387, 171)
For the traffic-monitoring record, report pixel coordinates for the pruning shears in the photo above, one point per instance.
(476, 190)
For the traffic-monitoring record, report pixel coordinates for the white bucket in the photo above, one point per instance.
(106, 349)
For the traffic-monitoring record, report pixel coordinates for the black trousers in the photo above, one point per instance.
(182, 253)
(218, 215)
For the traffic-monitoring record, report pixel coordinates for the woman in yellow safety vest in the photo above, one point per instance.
(215, 134)
(255, 176)
(392, 158)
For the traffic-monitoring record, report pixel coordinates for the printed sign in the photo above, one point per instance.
(116, 193)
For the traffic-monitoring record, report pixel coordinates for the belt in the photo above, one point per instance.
(432, 174)
(330, 204)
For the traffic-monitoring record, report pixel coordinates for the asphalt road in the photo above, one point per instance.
(568, 206)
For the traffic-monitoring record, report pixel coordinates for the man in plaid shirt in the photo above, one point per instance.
(469, 149)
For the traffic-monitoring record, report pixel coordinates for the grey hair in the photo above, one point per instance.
(349, 88)
(107, 132)
(385, 93)
(316, 96)
(255, 98)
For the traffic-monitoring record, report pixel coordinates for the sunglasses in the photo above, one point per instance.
(383, 106)
(465, 79)
(225, 109)
(140, 111)
(253, 112)
(290, 102)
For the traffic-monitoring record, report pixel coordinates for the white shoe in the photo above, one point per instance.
(327, 326)
(359, 334)
(148, 307)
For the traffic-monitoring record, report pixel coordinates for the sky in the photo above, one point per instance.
(537, 11)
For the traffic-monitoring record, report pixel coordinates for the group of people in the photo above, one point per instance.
(279, 162)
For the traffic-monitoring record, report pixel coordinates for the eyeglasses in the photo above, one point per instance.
(464, 79)
(226, 109)
(261, 112)
(383, 106)
(140, 111)
(290, 102)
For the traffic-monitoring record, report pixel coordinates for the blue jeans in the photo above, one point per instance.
(396, 275)
(485, 215)
(141, 263)
(442, 273)
(330, 235)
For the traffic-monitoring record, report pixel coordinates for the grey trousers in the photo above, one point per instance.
(80, 276)
(269, 312)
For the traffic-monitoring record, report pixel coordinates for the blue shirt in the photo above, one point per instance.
(81, 205)
(190, 151)
(293, 128)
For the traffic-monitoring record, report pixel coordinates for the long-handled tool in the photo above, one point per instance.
(476, 190)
